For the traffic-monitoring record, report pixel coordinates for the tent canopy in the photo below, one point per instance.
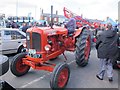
(109, 20)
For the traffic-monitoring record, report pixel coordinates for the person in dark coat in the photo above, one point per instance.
(71, 25)
(106, 46)
(25, 27)
(116, 29)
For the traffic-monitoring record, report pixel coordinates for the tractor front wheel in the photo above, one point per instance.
(60, 76)
(17, 67)
(83, 47)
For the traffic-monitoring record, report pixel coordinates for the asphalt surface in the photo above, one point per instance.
(80, 77)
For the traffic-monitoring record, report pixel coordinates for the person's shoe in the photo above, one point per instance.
(99, 77)
(110, 79)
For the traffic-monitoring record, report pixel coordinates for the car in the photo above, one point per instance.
(11, 40)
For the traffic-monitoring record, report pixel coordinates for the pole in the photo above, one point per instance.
(51, 16)
(119, 15)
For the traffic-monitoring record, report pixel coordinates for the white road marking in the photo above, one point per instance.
(40, 78)
(71, 62)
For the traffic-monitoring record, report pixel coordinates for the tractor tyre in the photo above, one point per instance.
(60, 76)
(83, 48)
(17, 67)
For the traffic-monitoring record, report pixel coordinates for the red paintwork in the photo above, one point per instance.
(62, 78)
(20, 67)
(87, 48)
(38, 66)
(60, 42)
(67, 13)
(80, 21)
(77, 32)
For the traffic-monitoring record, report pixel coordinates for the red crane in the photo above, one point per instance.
(79, 20)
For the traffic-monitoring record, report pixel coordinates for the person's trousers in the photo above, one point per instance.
(105, 65)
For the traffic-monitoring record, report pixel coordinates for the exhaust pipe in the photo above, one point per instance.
(52, 16)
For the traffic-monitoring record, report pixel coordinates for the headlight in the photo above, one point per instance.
(47, 47)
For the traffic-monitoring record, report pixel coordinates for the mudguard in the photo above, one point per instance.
(78, 31)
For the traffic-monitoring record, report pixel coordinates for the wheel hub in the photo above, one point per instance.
(20, 66)
(63, 77)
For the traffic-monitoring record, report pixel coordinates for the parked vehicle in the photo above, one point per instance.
(11, 40)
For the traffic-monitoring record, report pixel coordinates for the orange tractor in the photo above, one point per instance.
(44, 44)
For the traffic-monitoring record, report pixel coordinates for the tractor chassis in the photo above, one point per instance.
(38, 64)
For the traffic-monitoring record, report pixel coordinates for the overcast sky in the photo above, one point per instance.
(93, 9)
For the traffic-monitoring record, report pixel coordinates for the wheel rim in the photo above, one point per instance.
(87, 48)
(63, 78)
(20, 67)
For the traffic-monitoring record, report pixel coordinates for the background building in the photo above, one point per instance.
(56, 18)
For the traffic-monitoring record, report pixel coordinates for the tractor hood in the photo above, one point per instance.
(49, 30)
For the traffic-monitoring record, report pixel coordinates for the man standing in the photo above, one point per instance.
(106, 46)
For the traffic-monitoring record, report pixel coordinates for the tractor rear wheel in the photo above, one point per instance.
(60, 76)
(17, 67)
(83, 47)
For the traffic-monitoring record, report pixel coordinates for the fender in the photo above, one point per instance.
(79, 32)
